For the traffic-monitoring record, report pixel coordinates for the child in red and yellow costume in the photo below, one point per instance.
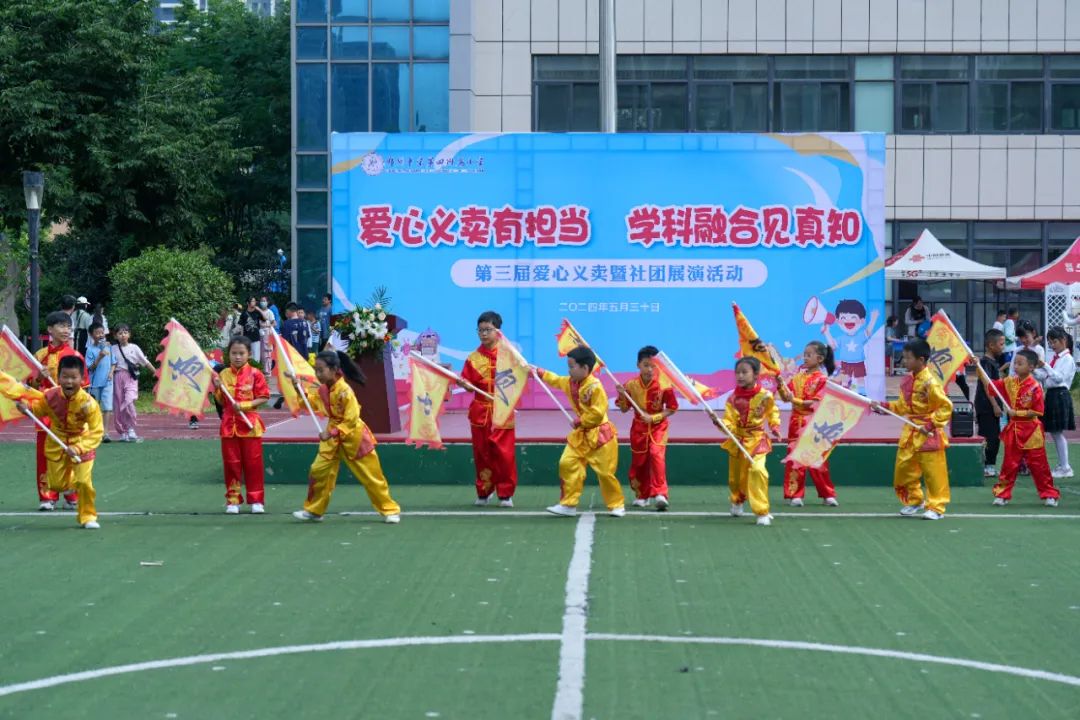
(804, 391)
(241, 443)
(648, 435)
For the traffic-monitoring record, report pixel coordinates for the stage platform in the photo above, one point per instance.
(865, 457)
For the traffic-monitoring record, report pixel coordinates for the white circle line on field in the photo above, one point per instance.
(66, 679)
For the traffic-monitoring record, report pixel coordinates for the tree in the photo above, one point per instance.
(161, 284)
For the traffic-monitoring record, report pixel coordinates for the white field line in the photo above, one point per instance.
(569, 691)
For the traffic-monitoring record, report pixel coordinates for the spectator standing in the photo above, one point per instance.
(1012, 318)
(99, 317)
(296, 330)
(99, 365)
(316, 333)
(915, 318)
(80, 324)
(325, 311)
(127, 358)
(999, 322)
(251, 322)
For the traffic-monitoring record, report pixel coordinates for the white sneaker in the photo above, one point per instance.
(392, 519)
(640, 502)
(480, 502)
(736, 510)
(796, 502)
(46, 506)
(1061, 472)
(508, 502)
(661, 503)
(909, 510)
(932, 515)
(617, 512)
(92, 525)
(1000, 502)
(832, 502)
(257, 509)
(132, 437)
(564, 510)
(1068, 472)
(764, 520)
(305, 516)
(990, 471)
(232, 509)
(1050, 502)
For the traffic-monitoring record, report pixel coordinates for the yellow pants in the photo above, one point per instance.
(604, 460)
(744, 484)
(63, 475)
(323, 477)
(910, 467)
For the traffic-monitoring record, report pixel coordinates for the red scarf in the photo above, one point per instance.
(747, 393)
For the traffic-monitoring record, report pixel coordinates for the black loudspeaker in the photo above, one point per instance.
(963, 419)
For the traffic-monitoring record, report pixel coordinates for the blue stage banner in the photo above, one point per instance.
(635, 239)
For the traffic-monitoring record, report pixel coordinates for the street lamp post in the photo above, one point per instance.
(33, 190)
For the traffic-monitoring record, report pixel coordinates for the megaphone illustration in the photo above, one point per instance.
(815, 313)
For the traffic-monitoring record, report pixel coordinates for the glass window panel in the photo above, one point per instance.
(348, 10)
(389, 10)
(650, 67)
(349, 43)
(431, 42)
(950, 108)
(992, 107)
(632, 111)
(751, 108)
(1025, 107)
(874, 67)
(1023, 234)
(390, 43)
(1007, 67)
(731, 67)
(1065, 107)
(552, 102)
(1062, 234)
(568, 67)
(835, 107)
(811, 67)
(312, 10)
(951, 234)
(311, 43)
(713, 111)
(312, 259)
(934, 67)
(349, 83)
(795, 107)
(874, 107)
(1064, 66)
(431, 97)
(431, 10)
(915, 106)
(390, 97)
(585, 111)
(311, 171)
(670, 108)
(311, 208)
(311, 106)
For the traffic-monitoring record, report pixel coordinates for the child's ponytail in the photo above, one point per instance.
(339, 361)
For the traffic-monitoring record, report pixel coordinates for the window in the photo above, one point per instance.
(811, 93)
(934, 93)
(1064, 72)
(311, 43)
(314, 10)
(312, 263)
(874, 94)
(732, 93)
(567, 94)
(311, 107)
(349, 93)
(431, 102)
(1009, 94)
(311, 171)
(311, 208)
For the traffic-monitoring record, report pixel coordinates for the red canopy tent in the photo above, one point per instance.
(1064, 270)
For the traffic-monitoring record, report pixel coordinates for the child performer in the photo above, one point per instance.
(803, 392)
(593, 441)
(346, 439)
(58, 325)
(1023, 436)
(241, 446)
(921, 453)
(648, 436)
(76, 419)
(127, 359)
(987, 408)
(1059, 373)
(753, 418)
(493, 448)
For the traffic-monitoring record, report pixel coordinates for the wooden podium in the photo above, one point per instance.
(378, 396)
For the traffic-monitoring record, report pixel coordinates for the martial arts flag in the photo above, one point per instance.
(671, 376)
(16, 362)
(569, 338)
(11, 391)
(184, 373)
(750, 345)
(429, 389)
(838, 411)
(298, 365)
(948, 352)
(510, 377)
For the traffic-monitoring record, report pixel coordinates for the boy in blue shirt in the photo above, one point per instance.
(100, 367)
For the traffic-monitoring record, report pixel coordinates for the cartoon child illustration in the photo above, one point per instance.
(851, 351)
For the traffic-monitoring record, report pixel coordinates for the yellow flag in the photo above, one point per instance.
(292, 361)
(428, 391)
(11, 391)
(16, 364)
(948, 353)
(183, 373)
(569, 338)
(510, 378)
(750, 345)
(837, 413)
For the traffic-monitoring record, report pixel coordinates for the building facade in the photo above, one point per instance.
(165, 10)
(980, 100)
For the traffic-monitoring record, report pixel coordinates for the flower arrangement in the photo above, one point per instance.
(365, 329)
